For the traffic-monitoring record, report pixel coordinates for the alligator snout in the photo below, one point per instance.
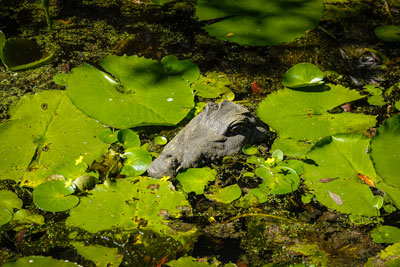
(220, 130)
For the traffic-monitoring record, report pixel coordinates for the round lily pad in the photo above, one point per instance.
(278, 180)
(55, 196)
(303, 75)
(128, 138)
(259, 22)
(195, 179)
(388, 33)
(137, 161)
(5, 215)
(160, 140)
(386, 234)
(226, 195)
(108, 136)
(140, 92)
(249, 149)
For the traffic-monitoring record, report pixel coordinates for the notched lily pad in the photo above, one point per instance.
(136, 161)
(55, 196)
(46, 135)
(20, 54)
(140, 92)
(305, 115)
(226, 195)
(386, 234)
(8, 202)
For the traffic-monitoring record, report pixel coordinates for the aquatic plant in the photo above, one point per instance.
(47, 135)
(225, 195)
(259, 22)
(19, 54)
(196, 179)
(142, 91)
(37, 261)
(55, 196)
(8, 202)
(388, 33)
(303, 75)
(304, 115)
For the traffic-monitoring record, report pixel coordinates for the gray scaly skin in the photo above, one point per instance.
(220, 130)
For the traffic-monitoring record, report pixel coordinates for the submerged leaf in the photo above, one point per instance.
(259, 22)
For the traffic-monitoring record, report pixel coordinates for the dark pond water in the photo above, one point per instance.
(295, 228)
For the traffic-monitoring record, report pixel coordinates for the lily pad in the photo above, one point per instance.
(226, 195)
(277, 180)
(388, 33)
(99, 255)
(128, 138)
(249, 149)
(212, 85)
(160, 140)
(385, 151)
(131, 203)
(108, 136)
(292, 147)
(25, 218)
(195, 179)
(142, 91)
(303, 75)
(137, 161)
(20, 54)
(259, 22)
(8, 202)
(334, 176)
(305, 115)
(55, 196)
(47, 135)
(386, 234)
(39, 261)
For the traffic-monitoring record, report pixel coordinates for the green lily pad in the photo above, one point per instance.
(47, 135)
(99, 255)
(304, 115)
(388, 33)
(160, 140)
(278, 180)
(39, 261)
(137, 161)
(26, 217)
(292, 147)
(188, 262)
(195, 179)
(385, 234)
(212, 85)
(55, 196)
(249, 149)
(5, 215)
(334, 175)
(20, 54)
(131, 203)
(303, 75)
(226, 195)
(259, 22)
(128, 138)
(385, 151)
(142, 91)
(8, 202)
(108, 136)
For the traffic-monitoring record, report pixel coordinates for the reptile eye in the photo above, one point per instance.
(237, 128)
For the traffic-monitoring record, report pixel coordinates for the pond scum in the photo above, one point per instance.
(91, 91)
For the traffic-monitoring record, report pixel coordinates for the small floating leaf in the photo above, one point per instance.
(128, 138)
(99, 255)
(389, 33)
(226, 195)
(160, 140)
(108, 136)
(249, 149)
(386, 234)
(137, 161)
(55, 196)
(303, 75)
(195, 179)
